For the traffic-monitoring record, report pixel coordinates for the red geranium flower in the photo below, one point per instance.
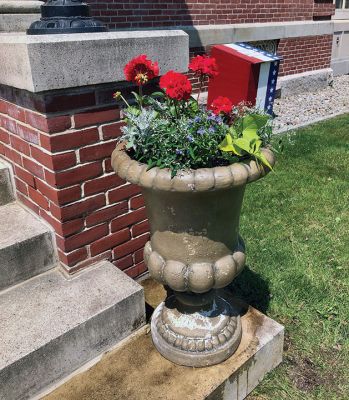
(176, 85)
(140, 70)
(221, 105)
(204, 65)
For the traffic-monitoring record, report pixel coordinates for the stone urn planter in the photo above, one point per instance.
(195, 249)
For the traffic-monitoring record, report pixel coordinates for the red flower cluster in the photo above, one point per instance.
(204, 65)
(221, 105)
(176, 85)
(140, 70)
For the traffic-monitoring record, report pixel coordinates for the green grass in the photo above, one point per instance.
(295, 223)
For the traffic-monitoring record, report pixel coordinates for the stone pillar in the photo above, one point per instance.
(58, 127)
(17, 15)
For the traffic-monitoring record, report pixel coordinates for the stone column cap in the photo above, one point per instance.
(47, 62)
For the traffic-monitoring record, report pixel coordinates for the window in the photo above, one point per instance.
(342, 4)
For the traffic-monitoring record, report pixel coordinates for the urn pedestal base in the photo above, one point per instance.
(197, 331)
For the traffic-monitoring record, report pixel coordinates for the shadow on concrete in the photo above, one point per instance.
(250, 287)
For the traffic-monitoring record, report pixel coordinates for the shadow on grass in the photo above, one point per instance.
(252, 289)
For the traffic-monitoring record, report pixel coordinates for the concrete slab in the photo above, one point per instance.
(6, 193)
(305, 82)
(17, 22)
(50, 326)
(136, 371)
(26, 246)
(46, 62)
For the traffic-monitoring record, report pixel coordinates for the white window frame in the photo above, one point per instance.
(341, 13)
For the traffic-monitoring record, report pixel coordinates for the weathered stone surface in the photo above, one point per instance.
(204, 35)
(305, 82)
(150, 376)
(6, 193)
(47, 62)
(50, 326)
(16, 22)
(26, 247)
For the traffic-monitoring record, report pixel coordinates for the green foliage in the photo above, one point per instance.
(247, 141)
(178, 135)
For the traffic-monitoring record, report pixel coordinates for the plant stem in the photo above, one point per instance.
(140, 96)
(200, 87)
(124, 100)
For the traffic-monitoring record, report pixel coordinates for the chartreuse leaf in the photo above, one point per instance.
(226, 145)
(254, 122)
(233, 132)
(264, 160)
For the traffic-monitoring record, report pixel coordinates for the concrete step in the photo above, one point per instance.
(50, 325)
(26, 247)
(6, 191)
(135, 370)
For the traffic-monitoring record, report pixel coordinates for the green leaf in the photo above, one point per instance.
(191, 152)
(233, 132)
(227, 144)
(158, 94)
(254, 121)
(264, 160)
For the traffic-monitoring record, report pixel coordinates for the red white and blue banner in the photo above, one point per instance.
(245, 74)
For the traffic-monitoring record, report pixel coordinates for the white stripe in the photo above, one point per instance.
(249, 52)
(262, 85)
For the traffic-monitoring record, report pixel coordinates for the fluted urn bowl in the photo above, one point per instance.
(194, 251)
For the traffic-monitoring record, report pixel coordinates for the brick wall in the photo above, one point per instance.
(60, 146)
(155, 13)
(305, 54)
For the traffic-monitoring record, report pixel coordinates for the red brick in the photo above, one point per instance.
(8, 124)
(80, 239)
(123, 192)
(130, 247)
(25, 176)
(4, 136)
(74, 175)
(109, 242)
(102, 184)
(136, 270)
(74, 257)
(128, 219)
(28, 203)
(95, 117)
(61, 196)
(19, 144)
(138, 256)
(139, 229)
(15, 112)
(47, 124)
(56, 162)
(137, 202)
(66, 228)
(28, 134)
(112, 131)
(106, 214)
(91, 260)
(33, 167)
(13, 156)
(96, 152)
(38, 198)
(124, 262)
(107, 165)
(69, 140)
(21, 186)
(77, 209)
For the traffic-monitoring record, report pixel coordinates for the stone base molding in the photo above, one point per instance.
(207, 335)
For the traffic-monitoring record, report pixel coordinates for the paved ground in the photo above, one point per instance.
(311, 107)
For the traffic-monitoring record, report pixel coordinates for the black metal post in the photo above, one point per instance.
(65, 16)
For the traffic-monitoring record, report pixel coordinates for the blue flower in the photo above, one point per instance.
(190, 138)
(218, 119)
(211, 117)
(197, 119)
(212, 129)
(201, 131)
(179, 152)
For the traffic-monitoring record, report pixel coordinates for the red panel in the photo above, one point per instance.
(238, 76)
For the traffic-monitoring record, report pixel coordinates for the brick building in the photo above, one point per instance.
(59, 122)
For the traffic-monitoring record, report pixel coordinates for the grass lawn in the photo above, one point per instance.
(295, 224)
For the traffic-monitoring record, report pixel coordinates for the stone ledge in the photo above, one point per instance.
(17, 22)
(150, 376)
(47, 62)
(204, 35)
